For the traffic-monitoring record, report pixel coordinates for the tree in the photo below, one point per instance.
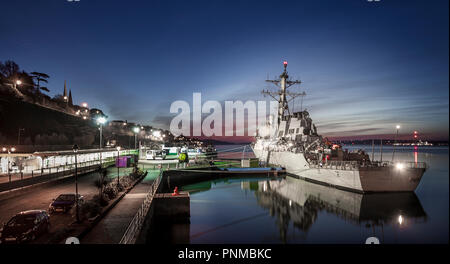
(9, 69)
(10, 72)
(40, 77)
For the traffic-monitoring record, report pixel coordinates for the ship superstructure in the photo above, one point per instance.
(291, 140)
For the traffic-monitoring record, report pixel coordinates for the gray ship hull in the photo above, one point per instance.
(356, 179)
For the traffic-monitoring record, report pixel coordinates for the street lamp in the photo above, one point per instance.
(9, 150)
(395, 142)
(136, 130)
(118, 166)
(17, 82)
(75, 150)
(101, 120)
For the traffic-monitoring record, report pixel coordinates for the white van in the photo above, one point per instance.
(155, 154)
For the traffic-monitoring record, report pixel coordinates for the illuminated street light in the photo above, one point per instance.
(14, 84)
(136, 131)
(85, 105)
(101, 120)
(400, 219)
(12, 149)
(157, 134)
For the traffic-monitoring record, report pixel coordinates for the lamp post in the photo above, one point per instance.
(101, 120)
(395, 142)
(75, 150)
(9, 150)
(17, 82)
(118, 166)
(136, 131)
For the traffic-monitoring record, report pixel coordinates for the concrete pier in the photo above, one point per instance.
(170, 220)
(176, 207)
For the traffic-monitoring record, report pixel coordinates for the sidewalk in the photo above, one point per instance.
(112, 227)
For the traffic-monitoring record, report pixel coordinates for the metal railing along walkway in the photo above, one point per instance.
(134, 228)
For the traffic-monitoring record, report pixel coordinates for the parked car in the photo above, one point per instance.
(64, 203)
(25, 226)
(156, 154)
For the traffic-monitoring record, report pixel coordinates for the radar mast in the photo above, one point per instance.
(281, 95)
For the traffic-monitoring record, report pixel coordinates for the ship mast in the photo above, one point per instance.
(281, 95)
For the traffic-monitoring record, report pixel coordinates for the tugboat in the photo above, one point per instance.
(291, 140)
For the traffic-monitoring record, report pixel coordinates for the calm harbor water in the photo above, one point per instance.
(295, 211)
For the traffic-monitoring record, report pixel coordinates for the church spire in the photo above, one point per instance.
(70, 98)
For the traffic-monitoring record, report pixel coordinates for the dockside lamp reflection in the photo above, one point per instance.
(75, 150)
(395, 142)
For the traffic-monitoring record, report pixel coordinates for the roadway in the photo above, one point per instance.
(40, 198)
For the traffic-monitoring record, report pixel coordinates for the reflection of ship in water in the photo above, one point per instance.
(300, 201)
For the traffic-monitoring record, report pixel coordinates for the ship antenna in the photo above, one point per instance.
(281, 96)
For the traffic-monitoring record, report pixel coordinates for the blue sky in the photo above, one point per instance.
(366, 66)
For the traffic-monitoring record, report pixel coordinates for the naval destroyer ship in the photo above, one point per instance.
(291, 140)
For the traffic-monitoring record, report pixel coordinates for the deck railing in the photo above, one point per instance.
(354, 165)
(335, 164)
